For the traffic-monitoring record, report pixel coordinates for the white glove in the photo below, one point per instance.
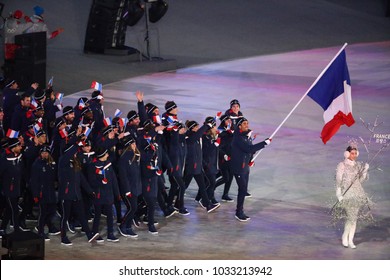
(267, 141)
(339, 195)
(366, 166)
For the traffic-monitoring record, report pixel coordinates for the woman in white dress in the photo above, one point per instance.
(353, 201)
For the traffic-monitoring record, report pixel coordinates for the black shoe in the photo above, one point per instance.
(2, 233)
(170, 212)
(71, 227)
(23, 228)
(184, 212)
(65, 241)
(99, 239)
(131, 233)
(92, 237)
(201, 204)
(198, 197)
(153, 230)
(77, 226)
(242, 217)
(22, 225)
(226, 198)
(122, 230)
(112, 238)
(145, 221)
(54, 231)
(248, 195)
(136, 223)
(214, 201)
(212, 207)
(45, 237)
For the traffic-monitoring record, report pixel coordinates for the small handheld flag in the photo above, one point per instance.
(107, 121)
(87, 131)
(33, 104)
(97, 86)
(12, 133)
(117, 113)
(59, 96)
(50, 82)
(81, 104)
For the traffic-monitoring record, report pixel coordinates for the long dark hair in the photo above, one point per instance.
(76, 164)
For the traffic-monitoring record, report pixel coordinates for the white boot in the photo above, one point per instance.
(344, 238)
(351, 234)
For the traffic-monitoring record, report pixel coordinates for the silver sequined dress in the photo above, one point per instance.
(355, 204)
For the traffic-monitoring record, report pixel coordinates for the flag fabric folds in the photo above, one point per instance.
(333, 93)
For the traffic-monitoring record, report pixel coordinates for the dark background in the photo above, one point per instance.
(203, 31)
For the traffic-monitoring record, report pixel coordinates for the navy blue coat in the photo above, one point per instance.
(10, 100)
(50, 111)
(98, 116)
(20, 119)
(242, 151)
(129, 172)
(225, 146)
(85, 160)
(42, 180)
(210, 154)
(175, 147)
(104, 193)
(70, 181)
(11, 168)
(194, 158)
(149, 157)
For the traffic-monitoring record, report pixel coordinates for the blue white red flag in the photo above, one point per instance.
(123, 122)
(59, 96)
(117, 113)
(36, 128)
(97, 86)
(87, 131)
(107, 121)
(81, 104)
(33, 104)
(333, 93)
(12, 133)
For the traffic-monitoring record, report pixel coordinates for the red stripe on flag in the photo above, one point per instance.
(333, 125)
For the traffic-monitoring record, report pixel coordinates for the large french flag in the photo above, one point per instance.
(333, 93)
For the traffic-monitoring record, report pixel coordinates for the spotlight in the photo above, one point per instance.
(135, 12)
(157, 10)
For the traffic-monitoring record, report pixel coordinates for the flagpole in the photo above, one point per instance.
(300, 100)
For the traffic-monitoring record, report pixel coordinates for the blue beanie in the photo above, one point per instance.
(38, 10)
